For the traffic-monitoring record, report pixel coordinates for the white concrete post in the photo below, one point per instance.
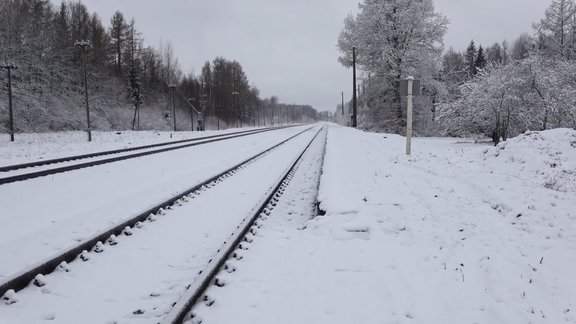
(409, 117)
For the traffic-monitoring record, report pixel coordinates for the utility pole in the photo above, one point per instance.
(354, 99)
(203, 103)
(258, 112)
(173, 92)
(192, 114)
(235, 96)
(342, 103)
(217, 116)
(9, 68)
(84, 45)
(138, 119)
(192, 118)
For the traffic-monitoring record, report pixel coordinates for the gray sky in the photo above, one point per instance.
(288, 47)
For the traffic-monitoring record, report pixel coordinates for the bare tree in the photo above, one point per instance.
(171, 70)
(521, 47)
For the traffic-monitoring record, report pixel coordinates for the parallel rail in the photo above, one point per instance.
(42, 173)
(23, 279)
(180, 310)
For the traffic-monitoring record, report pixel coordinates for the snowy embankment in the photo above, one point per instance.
(547, 158)
(458, 233)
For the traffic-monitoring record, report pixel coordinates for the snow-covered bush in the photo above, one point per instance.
(536, 93)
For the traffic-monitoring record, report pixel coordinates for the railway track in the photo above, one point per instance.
(12, 173)
(182, 310)
(34, 273)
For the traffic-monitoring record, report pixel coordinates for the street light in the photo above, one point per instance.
(9, 68)
(84, 45)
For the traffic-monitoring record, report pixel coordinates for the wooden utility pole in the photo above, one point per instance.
(354, 98)
(9, 68)
(342, 103)
(85, 45)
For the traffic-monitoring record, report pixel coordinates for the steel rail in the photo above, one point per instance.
(199, 141)
(206, 277)
(21, 280)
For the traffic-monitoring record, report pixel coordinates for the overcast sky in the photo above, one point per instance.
(288, 47)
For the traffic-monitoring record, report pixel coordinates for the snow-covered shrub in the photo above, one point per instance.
(502, 101)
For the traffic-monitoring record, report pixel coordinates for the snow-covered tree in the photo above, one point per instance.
(119, 33)
(171, 70)
(496, 54)
(550, 89)
(453, 72)
(470, 59)
(531, 94)
(100, 41)
(480, 62)
(486, 107)
(207, 98)
(136, 94)
(556, 29)
(521, 47)
(394, 39)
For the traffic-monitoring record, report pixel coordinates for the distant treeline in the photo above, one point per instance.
(123, 74)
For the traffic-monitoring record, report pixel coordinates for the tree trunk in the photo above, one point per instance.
(496, 132)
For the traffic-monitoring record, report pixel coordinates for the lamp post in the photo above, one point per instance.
(85, 45)
(9, 68)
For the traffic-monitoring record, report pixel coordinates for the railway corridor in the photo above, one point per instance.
(137, 276)
(458, 232)
(46, 215)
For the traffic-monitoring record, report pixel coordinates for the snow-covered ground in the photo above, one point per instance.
(44, 146)
(458, 233)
